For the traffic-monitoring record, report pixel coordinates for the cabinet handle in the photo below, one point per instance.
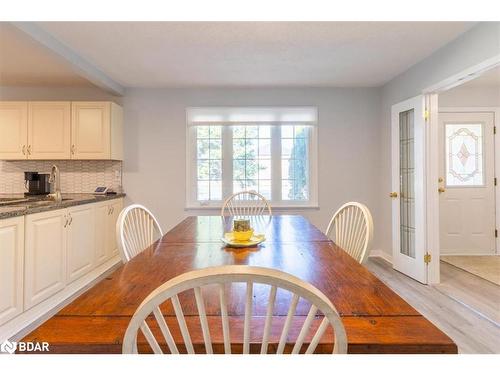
(24, 149)
(29, 149)
(70, 219)
(65, 221)
(72, 149)
(112, 210)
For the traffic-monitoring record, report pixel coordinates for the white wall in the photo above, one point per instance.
(349, 157)
(470, 97)
(476, 45)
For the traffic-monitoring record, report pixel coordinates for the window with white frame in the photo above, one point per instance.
(269, 150)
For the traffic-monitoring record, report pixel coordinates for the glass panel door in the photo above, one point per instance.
(408, 188)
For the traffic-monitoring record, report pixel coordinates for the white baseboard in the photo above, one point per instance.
(27, 321)
(381, 254)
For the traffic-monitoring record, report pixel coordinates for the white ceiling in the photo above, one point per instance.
(24, 62)
(190, 54)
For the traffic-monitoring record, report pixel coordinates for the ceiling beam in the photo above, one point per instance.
(79, 65)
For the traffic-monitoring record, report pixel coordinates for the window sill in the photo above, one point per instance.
(274, 208)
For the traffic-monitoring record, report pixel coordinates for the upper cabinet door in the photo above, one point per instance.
(91, 130)
(13, 130)
(49, 130)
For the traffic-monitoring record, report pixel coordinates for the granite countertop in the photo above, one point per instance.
(41, 204)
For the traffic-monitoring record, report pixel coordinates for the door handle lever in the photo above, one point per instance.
(441, 190)
(393, 194)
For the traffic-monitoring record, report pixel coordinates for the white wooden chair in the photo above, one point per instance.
(136, 229)
(223, 276)
(351, 228)
(246, 203)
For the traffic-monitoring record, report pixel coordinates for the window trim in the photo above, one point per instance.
(191, 203)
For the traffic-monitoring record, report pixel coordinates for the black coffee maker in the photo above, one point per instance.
(36, 183)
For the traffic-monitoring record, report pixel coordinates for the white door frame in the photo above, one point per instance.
(432, 153)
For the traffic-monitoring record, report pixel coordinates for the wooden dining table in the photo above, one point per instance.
(376, 319)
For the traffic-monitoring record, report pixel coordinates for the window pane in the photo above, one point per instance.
(251, 158)
(286, 148)
(252, 161)
(239, 185)
(265, 188)
(251, 169)
(295, 163)
(264, 148)
(203, 169)
(239, 169)
(251, 151)
(464, 155)
(209, 162)
(287, 169)
(215, 169)
(301, 131)
(215, 190)
(215, 149)
(203, 190)
(287, 131)
(264, 169)
(238, 132)
(252, 132)
(264, 131)
(215, 131)
(203, 147)
(286, 190)
(202, 132)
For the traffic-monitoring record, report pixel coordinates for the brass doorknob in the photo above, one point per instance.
(393, 194)
(441, 190)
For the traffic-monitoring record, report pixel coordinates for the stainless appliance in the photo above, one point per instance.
(36, 183)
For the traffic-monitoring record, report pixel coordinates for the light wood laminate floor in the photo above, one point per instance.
(463, 306)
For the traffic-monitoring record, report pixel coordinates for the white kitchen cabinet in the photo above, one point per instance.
(102, 212)
(115, 208)
(106, 217)
(13, 130)
(49, 130)
(11, 268)
(45, 255)
(96, 130)
(80, 245)
(61, 130)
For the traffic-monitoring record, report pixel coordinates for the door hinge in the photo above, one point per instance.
(496, 233)
(426, 115)
(495, 181)
(494, 130)
(427, 258)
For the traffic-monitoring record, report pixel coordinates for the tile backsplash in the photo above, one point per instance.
(77, 176)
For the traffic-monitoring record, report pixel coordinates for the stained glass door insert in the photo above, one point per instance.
(464, 155)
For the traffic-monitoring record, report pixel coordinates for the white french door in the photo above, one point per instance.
(467, 187)
(408, 188)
